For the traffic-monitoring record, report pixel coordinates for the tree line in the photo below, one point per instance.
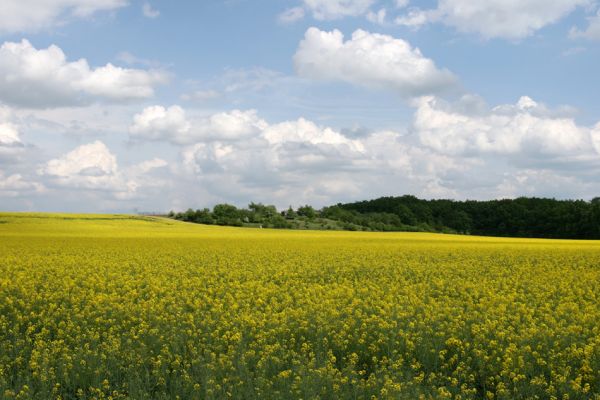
(256, 214)
(521, 217)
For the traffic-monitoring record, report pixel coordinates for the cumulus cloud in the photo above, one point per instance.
(369, 59)
(44, 78)
(288, 159)
(158, 122)
(93, 167)
(453, 149)
(10, 141)
(172, 124)
(90, 165)
(33, 15)
(295, 159)
(526, 128)
(11, 145)
(458, 150)
(494, 19)
(304, 131)
(9, 135)
(298, 161)
(15, 185)
(242, 149)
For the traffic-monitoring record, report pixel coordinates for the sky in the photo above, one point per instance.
(132, 106)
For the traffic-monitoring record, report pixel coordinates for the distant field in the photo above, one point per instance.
(101, 306)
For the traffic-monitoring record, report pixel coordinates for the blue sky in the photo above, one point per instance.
(117, 105)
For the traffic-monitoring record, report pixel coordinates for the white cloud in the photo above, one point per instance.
(91, 164)
(496, 18)
(33, 15)
(334, 9)
(596, 137)
(10, 137)
(94, 167)
(532, 182)
(296, 162)
(44, 78)
(369, 59)
(415, 18)
(391, 151)
(121, 83)
(147, 166)
(592, 31)
(171, 124)
(295, 156)
(304, 131)
(240, 149)
(291, 15)
(40, 127)
(158, 122)
(461, 149)
(300, 161)
(526, 128)
(10, 141)
(15, 185)
(377, 17)
(231, 125)
(149, 12)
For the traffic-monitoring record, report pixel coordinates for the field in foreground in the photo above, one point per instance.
(96, 306)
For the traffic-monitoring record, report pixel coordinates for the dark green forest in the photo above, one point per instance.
(521, 217)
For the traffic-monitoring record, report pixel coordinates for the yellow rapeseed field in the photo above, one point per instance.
(109, 306)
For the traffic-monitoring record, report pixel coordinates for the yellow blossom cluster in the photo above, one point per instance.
(122, 307)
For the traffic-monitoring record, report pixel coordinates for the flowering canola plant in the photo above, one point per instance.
(118, 307)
